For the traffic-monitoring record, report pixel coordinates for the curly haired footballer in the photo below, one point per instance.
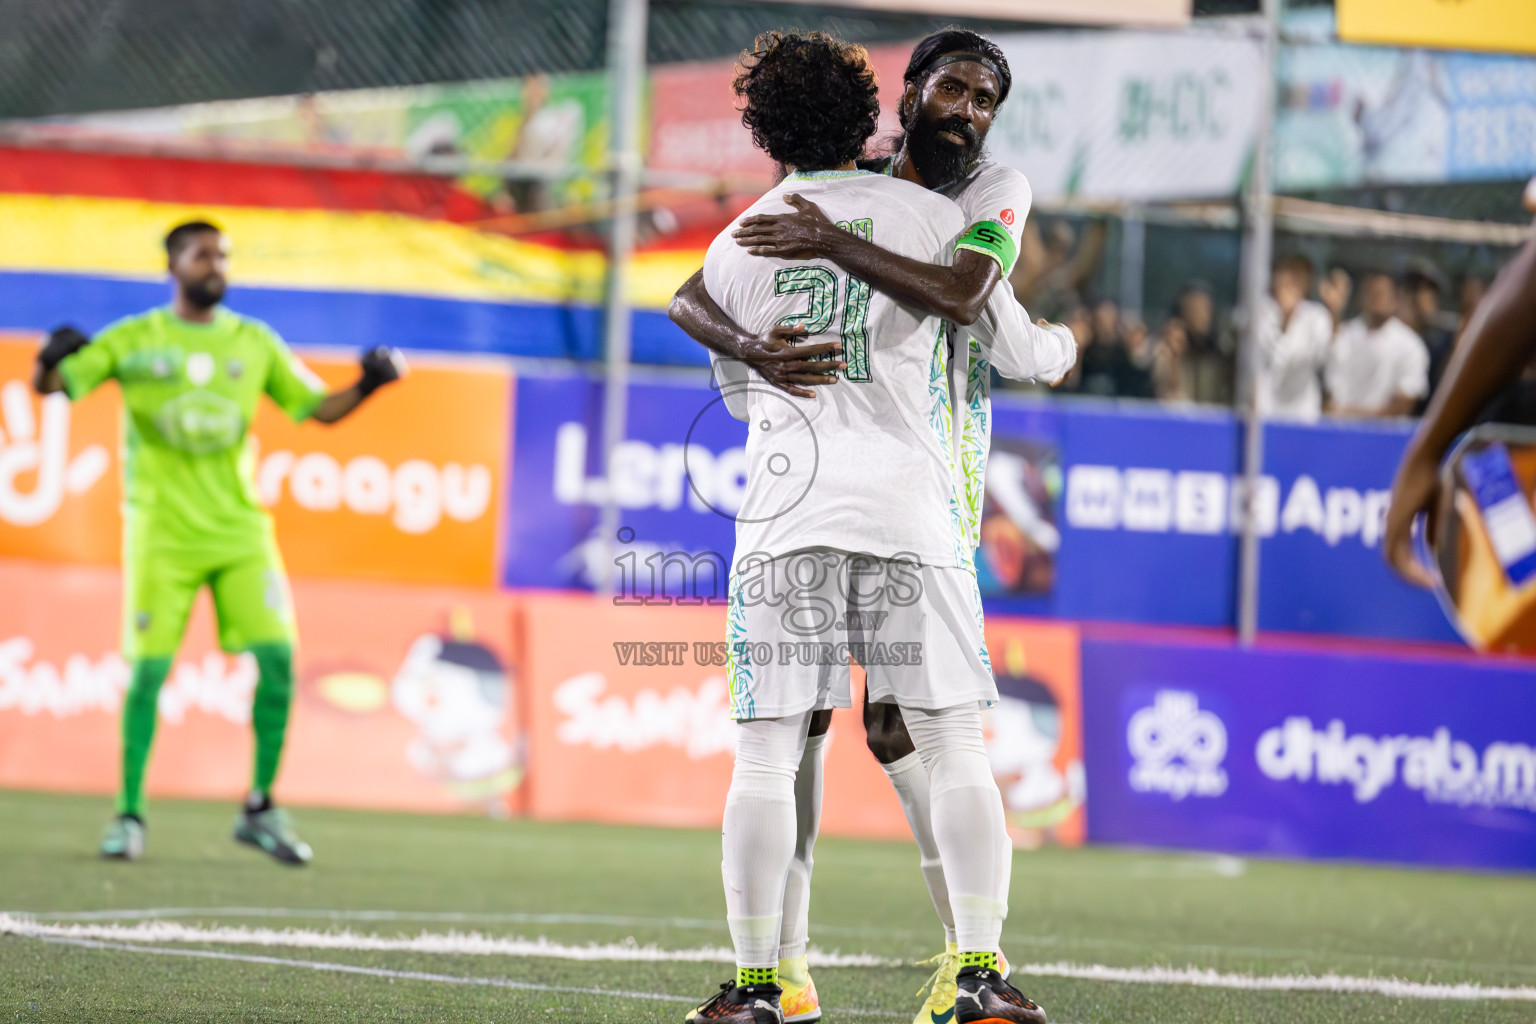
(810, 99)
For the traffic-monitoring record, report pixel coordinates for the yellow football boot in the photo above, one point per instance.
(939, 1007)
(799, 1001)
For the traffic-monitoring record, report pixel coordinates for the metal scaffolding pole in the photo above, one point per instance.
(1258, 247)
(626, 82)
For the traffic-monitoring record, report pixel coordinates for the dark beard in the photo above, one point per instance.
(940, 161)
(205, 294)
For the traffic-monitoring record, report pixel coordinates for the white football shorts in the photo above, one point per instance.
(795, 624)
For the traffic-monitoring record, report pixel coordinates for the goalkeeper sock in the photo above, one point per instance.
(141, 708)
(269, 712)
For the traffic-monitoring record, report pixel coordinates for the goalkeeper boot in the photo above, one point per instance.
(271, 832)
(799, 1001)
(983, 997)
(742, 1004)
(124, 838)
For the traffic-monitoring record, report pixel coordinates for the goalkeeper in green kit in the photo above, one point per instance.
(190, 375)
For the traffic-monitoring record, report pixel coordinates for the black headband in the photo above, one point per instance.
(956, 58)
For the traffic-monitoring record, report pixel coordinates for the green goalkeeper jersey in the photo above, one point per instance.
(189, 392)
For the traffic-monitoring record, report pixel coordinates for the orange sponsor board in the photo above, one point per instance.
(410, 487)
(406, 696)
(628, 722)
(59, 486)
(1035, 732)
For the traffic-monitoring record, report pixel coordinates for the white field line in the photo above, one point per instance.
(479, 945)
(631, 921)
(393, 975)
(376, 972)
(456, 943)
(1396, 988)
(323, 914)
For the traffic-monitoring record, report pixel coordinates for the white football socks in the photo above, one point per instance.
(758, 834)
(910, 779)
(967, 819)
(795, 931)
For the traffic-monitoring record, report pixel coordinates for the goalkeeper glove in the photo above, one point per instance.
(381, 365)
(64, 341)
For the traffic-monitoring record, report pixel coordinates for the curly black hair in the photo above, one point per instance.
(810, 99)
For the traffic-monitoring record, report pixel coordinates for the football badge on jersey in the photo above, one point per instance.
(1486, 548)
(235, 368)
(1007, 217)
(200, 367)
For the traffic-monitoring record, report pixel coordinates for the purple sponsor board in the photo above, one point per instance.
(1311, 754)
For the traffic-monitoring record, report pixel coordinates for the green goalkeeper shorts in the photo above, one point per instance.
(250, 597)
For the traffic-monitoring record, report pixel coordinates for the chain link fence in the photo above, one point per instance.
(75, 56)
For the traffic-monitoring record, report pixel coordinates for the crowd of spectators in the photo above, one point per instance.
(1313, 356)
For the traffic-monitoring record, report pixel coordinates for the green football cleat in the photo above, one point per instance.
(271, 832)
(123, 839)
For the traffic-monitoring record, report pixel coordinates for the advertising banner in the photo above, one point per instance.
(1105, 115)
(1094, 510)
(1132, 515)
(679, 479)
(1366, 115)
(1130, 115)
(59, 480)
(1298, 754)
(406, 697)
(628, 722)
(410, 487)
(1504, 25)
(377, 495)
(558, 120)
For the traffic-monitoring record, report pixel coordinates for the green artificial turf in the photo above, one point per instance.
(577, 884)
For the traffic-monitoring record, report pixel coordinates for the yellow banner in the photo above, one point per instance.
(326, 250)
(1508, 26)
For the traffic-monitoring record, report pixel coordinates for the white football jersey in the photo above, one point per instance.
(1005, 337)
(866, 465)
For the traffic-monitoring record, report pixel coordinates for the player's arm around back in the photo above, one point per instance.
(777, 355)
(956, 291)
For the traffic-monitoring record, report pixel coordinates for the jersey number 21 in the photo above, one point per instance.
(822, 284)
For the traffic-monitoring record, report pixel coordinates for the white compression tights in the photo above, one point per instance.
(758, 834)
(966, 814)
(795, 930)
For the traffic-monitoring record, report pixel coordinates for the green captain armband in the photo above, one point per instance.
(990, 238)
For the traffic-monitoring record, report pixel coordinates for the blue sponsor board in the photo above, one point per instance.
(1096, 511)
(1138, 500)
(1321, 567)
(677, 478)
(1311, 754)
(1148, 508)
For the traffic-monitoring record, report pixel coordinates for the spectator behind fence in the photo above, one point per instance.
(1054, 267)
(1424, 286)
(1107, 368)
(1378, 365)
(1293, 334)
(1170, 365)
(1210, 351)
